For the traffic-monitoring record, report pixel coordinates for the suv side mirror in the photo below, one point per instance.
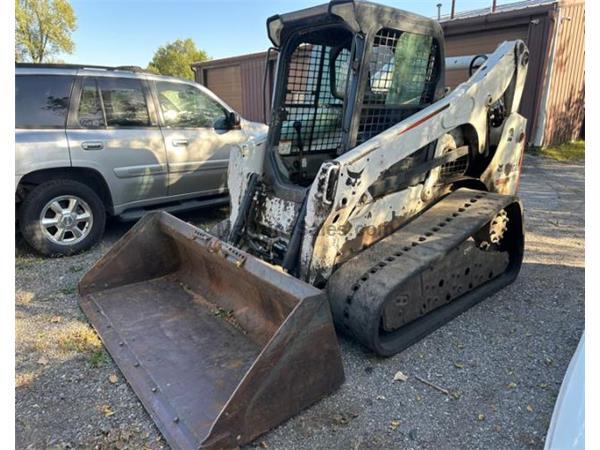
(233, 120)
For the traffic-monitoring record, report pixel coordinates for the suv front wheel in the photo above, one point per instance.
(62, 217)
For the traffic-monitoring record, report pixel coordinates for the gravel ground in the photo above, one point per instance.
(502, 361)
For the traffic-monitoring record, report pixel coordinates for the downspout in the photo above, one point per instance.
(540, 128)
(198, 75)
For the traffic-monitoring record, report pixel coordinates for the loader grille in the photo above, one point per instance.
(312, 114)
(403, 72)
(454, 169)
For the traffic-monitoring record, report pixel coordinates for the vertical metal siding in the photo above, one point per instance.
(565, 107)
(475, 43)
(464, 37)
(538, 42)
(253, 101)
(226, 83)
(239, 81)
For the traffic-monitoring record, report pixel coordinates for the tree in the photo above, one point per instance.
(43, 29)
(175, 59)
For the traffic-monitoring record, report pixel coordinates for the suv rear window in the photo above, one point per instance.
(42, 101)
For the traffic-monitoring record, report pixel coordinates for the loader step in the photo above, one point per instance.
(426, 273)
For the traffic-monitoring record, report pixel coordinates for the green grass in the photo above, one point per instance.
(79, 338)
(571, 151)
(98, 358)
(23, 264)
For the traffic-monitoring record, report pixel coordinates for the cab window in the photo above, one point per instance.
(402, 68)
(403, 72)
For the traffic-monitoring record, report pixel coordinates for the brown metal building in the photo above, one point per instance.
(240, 82)
(554, 98)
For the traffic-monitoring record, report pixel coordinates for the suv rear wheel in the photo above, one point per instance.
(62, 217)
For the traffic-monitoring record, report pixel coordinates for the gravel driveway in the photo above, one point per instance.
(502, 361)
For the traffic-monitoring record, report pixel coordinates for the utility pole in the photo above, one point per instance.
(493, 6)
(439, 7)
(452, 10)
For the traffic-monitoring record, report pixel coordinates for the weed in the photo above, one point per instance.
(75, 269)
(22, 265)
(23, 380)
(98, 358)
(24, 297)
(80, 338)
(68, 290)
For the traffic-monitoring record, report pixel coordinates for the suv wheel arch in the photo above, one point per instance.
(85, 175)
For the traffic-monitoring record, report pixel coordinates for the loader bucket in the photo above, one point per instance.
(218, 345)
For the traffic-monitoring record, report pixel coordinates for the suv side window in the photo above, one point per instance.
(42, 101)
(113, 102)
(90, 114)
(184, 106)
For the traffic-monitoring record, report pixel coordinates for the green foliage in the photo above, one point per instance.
(570, 151)
(175, 59)
(98, 358)
(43, 29)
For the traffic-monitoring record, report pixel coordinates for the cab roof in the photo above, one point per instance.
(357, 16)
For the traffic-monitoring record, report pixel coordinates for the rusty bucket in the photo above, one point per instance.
(218, 345)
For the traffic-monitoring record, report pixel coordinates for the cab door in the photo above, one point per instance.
(113, 128)
(197, 137)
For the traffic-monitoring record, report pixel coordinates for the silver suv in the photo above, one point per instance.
(92, 141)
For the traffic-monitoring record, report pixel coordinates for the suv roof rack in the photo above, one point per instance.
(78, 66)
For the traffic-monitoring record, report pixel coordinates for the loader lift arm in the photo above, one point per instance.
(466, 107)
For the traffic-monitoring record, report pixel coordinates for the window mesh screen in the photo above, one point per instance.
(312, 113)
(401, 81)
(454, 168)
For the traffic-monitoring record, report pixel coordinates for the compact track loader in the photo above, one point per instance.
(377, 202)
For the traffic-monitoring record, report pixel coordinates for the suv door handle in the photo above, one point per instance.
(92, 145)
(179, 142)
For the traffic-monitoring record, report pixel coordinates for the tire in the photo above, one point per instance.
(73, 216)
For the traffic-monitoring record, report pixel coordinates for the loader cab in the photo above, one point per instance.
(346, 72)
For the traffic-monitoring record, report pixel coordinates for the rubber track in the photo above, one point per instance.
(358, 290)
